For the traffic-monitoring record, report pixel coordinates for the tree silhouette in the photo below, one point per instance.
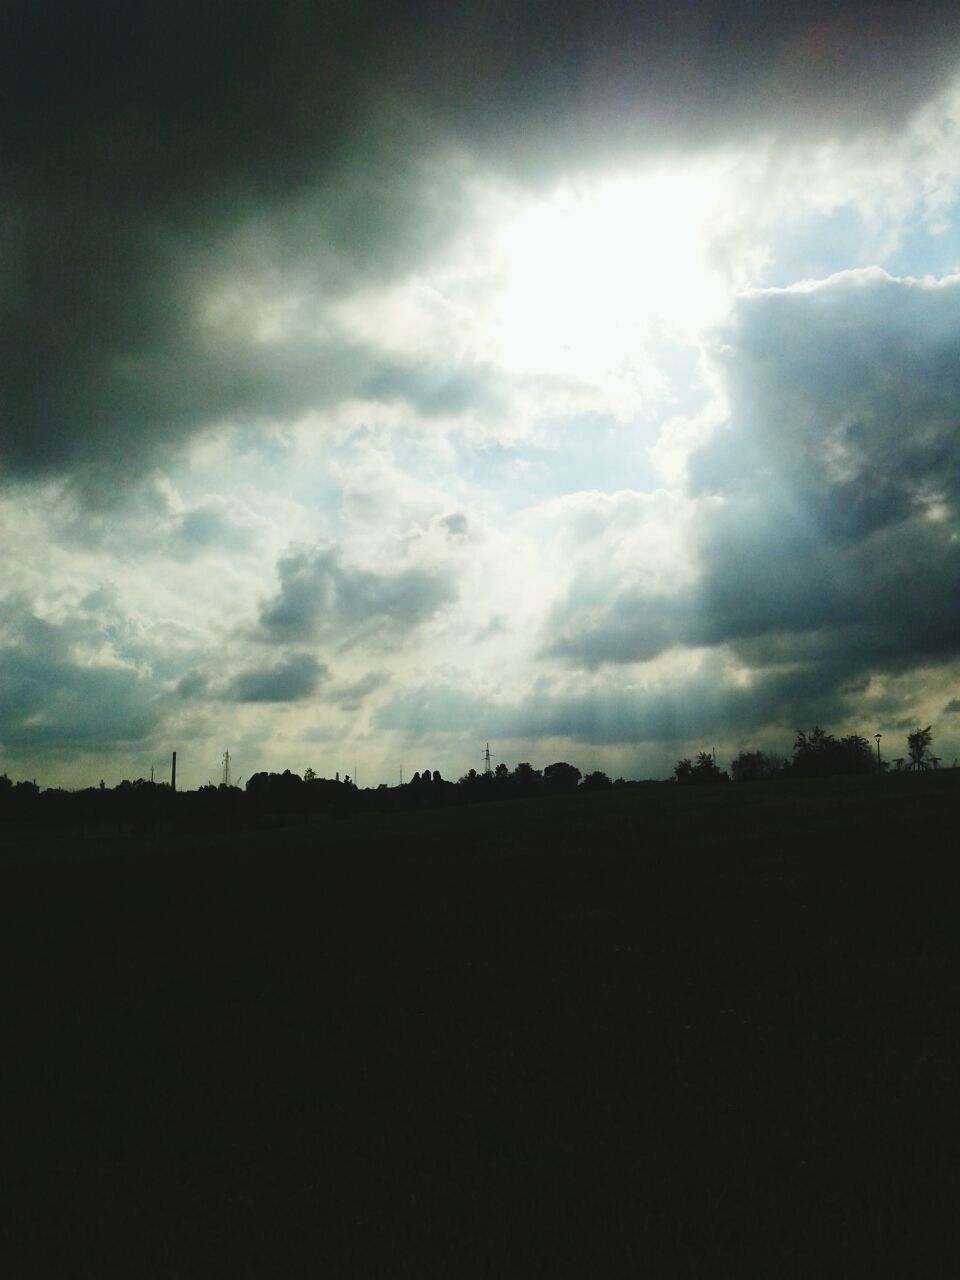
(525, 780)
(819, 754)
(704, 770)
(918, 744)
(560, 777)
(753, 766)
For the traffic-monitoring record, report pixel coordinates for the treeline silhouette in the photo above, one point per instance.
(269, 798)
(275, 798)
(818, 754)
(815, 755)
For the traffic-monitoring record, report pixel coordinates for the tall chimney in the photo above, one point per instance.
(173, 773)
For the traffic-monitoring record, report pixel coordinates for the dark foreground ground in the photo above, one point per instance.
(661, 1032)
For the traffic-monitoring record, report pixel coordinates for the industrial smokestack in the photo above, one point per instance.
(173, 773)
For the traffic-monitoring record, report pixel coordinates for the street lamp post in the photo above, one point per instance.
(878, 736)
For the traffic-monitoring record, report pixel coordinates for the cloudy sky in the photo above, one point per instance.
(380, 380)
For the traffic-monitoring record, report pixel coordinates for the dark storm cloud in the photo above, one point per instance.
(50, 700)
(191, 686)
(592, 626)
(847, 394)
(153, 153)
(700, 706)
(889, 600)
(351, 697)
(841, 466)
(552, 83)
(456, 524)
(291, 680)
(433, 391)
(214, 523)
(840, 474)
(319, 594)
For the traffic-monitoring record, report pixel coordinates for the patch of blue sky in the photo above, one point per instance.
(821, 246)
(268, 477)
(568, 455)
(921, 252)
(818, 247)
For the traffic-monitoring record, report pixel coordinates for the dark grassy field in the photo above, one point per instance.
(671, 1032)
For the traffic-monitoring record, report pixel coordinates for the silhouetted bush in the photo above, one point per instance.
(819, 754)
(596, 781)
(757, 766)
(703, 770)
(560, 777)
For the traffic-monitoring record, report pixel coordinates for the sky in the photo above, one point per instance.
(382, 380)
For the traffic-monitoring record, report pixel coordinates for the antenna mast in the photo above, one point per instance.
(486, 760)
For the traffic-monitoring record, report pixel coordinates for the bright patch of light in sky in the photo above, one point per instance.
(592, 274)
(598, 284)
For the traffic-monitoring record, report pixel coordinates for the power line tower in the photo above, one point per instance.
(226, 768)
(486, 761)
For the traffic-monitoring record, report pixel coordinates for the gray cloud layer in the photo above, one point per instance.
(320, 595)
(54, 698)
(835, 545)
(154, 152)
(291, 680)
(701, 706)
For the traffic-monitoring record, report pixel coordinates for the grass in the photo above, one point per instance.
(667, 1031)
